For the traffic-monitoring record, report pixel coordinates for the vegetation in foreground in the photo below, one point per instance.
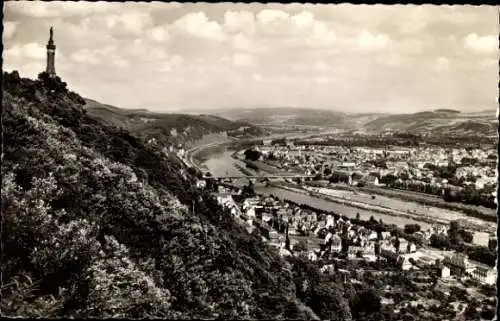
(98, 224)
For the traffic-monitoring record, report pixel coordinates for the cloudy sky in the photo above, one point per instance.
(171, 56)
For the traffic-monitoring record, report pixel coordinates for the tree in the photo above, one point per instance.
(301, 246)
(492, 244)
(365, 303)
(251, 154)
(471, 311)
(453, 232)
(440, 241)
(388, 179)
(327, 301)
(397, 244)
(411, 228)
(466, 236)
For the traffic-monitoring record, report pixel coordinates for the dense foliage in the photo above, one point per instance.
(97, 224)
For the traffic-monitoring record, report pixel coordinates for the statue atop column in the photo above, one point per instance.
(51, 53)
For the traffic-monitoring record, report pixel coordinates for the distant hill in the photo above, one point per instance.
(169, 128)
(287, 116)
(444, 110)
(439, 122)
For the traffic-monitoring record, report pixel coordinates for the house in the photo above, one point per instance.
(266, 217)
(328, 268)
(458, 264)
(273, 235)
(369, 248)
(250, 212)
(485, 275)
(404, 263)
(328, 237)
(403, 245)
(445, 272)
(284, 252)
(411, 248)
(330, 221)
(386, 235)
(354, 251)
(312, 256)
(201, 184)
(389, 253)
(372, 180)
(336, 243)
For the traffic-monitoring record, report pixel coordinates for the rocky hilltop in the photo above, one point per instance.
(97, 224)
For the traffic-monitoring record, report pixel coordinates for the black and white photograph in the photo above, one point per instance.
(249, 161)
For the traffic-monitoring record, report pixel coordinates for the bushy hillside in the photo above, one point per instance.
(168, 128)
(96, 224)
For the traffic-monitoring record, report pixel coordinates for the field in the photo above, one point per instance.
(408, 207)
(422, 197)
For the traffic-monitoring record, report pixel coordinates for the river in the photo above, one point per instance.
(218, 162)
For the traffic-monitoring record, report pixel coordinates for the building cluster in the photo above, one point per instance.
(295, 231)
(459, 265)
(414, 165)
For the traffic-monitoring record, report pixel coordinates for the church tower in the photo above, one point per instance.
(51, 55)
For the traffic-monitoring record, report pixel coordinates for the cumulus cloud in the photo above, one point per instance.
(286, 54)
(268, 16)
(321, 66)
(159, 34)
(243, 60)
(442, 63)
(139, 50)
(323, 80)
(177, 60)
(85, 56)
(240, 42)
(197, 24)
(30, 51)
(239, 21)
(9, 28)
(369, 41)
(303, 19)
(121, 63)
(59, 9)
(484, 44)
(134, 23)
(257, 77)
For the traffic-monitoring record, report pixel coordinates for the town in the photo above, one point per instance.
(432, 170)
(415, 273)
(433, 264)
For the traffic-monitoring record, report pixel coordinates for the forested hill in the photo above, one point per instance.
(96, 224)
(169, 128)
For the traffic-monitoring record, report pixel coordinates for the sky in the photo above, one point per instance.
(350, 58)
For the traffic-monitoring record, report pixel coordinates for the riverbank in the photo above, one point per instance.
(364, 206)
(479, 212)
